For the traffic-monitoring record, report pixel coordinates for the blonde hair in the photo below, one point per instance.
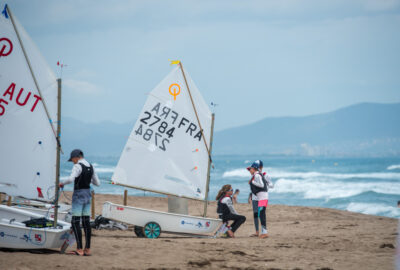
(223, 191)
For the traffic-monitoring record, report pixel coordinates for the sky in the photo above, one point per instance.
(255, 59)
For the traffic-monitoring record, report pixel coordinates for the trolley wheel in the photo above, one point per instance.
(138, 231)
(152, 230)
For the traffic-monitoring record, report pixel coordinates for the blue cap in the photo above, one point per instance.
(75, 153)
(260, 163)
(255, 165)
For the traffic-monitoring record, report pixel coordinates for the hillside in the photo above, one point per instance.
(366, 129)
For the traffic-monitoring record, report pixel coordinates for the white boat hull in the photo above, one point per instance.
(14, 233)
(169, 222)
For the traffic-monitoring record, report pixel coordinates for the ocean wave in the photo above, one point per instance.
(393, 167)
(104, 169)
(374, 209)
(236, 173)
(274, 173)
(315, 189)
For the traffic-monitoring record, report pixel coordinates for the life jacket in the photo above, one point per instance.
(85, 178)
(222, 208)
(255, 189)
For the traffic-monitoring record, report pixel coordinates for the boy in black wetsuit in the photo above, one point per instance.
(82, 176)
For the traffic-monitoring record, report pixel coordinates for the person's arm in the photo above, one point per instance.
(257, 181)
(234, 197)
(76, 171)
(269, 182)
(95, 178)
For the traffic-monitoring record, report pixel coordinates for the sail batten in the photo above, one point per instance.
(165, 152)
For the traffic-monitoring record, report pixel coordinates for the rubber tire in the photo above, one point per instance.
(152, 230)
(139, 231)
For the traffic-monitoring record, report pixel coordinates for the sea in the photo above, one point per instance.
(364, 185)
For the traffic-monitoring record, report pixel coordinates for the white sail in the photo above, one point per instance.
(166, 151)
(27, 141)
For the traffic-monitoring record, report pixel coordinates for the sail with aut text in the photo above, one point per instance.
(28, 143)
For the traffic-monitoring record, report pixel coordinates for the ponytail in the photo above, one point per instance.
(223, 191)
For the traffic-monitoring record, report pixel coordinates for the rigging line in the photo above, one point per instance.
(65, 196)
(195, 111)
(34, 78)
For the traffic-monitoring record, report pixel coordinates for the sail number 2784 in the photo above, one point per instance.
(148, 133)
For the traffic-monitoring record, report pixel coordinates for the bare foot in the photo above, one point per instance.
(87, 252)
(254, 234)
(231, 234)
(264, 235)
(78, 252)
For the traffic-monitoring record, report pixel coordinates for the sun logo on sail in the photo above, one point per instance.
(174, 90)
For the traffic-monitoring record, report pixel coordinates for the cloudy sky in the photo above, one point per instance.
(255, 59)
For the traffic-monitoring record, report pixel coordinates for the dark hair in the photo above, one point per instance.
(223, 191)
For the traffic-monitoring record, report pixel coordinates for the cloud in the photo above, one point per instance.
(80, 86)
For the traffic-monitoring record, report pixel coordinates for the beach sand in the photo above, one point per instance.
(300, 238)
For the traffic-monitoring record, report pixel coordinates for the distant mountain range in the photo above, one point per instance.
(366, 129)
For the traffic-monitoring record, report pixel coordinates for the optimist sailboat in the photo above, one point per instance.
(168, 152)
(30, 111)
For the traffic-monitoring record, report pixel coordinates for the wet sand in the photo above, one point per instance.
(300, 238)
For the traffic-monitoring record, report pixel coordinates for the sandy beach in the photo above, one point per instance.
(300, 238)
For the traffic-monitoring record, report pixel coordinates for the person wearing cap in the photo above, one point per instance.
(259, 189)
(82, 175)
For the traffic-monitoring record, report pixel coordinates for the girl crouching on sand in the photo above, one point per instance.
(226, 211)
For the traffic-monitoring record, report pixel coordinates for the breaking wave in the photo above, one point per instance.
(307, 175)
(316, 189)
(101, 169)
(374, 209)
(393, 167)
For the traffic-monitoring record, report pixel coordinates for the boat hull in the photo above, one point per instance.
(169, 222)
(14, 233)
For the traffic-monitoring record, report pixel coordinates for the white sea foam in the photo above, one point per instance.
(274, 173)
(104, 169)
(236, 173)
(330, 189)
(374, 209)
(393, 167)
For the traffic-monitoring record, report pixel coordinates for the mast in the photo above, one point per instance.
(209, 165)
(57, 191)
(195, 112)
